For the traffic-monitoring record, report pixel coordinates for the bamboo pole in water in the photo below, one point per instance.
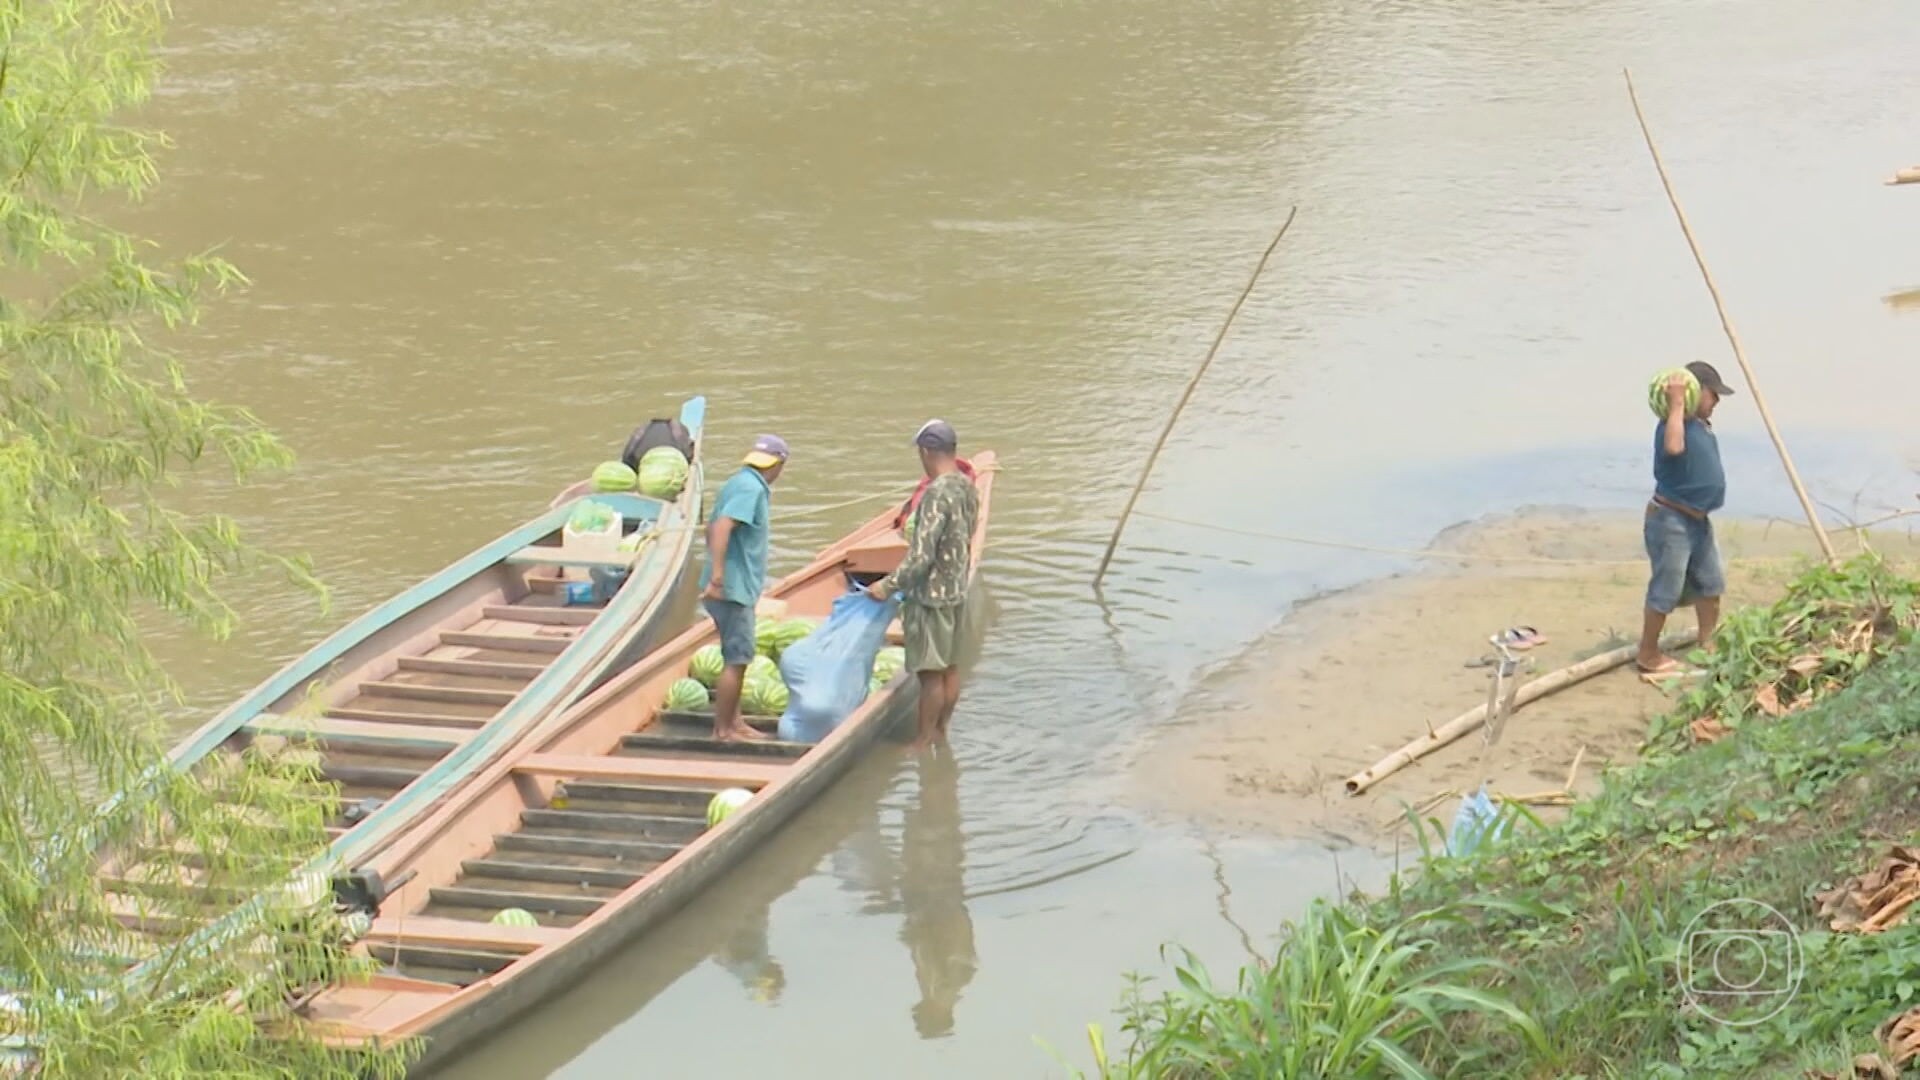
(1153, 456)
(1452, 730)
(1733, 339)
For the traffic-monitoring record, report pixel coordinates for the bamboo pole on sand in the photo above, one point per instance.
(1153, 456)
(1733, 339)
(1452, 730)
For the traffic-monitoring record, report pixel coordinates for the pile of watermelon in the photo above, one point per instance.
(764, 693)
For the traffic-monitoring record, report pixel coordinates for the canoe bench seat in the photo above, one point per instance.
(428, 930)
(750, 775)
(327, 729)
(546, 555)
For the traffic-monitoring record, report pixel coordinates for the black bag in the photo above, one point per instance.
(658, 432)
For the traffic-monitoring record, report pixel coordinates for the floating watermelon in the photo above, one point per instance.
(663, 472)
(723, 804)
(514, 916)
(1657, 392)
(686, 695)
(707, 665)
(614, 476)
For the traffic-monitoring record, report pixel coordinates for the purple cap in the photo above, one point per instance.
(768, 451)
(938, 436)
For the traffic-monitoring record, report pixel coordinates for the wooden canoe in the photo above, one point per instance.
(424, 691)
(625, 845)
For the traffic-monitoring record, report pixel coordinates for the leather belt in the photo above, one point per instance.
(1679, 509)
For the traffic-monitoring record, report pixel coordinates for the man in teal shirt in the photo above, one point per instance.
(736, 573)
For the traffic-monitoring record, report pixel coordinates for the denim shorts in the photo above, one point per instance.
(735, 623)
(1686, 563)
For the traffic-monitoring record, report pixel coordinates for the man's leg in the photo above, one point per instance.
(1668, 549)
(916, 623)
(726, 701)
(933, 703)
(1707, 580)
(951, 676)
(951, 619)
(734, 622)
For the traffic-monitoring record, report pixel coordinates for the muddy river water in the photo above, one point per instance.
(487, 239)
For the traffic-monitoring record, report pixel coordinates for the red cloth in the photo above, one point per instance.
(913, 503)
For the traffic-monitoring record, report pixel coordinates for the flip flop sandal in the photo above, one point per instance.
(1663, 675)
(1520, 637)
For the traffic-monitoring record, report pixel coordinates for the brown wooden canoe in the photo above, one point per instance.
(624, 845)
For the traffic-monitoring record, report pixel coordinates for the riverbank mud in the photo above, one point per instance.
(1355, 675)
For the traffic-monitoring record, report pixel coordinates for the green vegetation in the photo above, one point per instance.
(1568, 950)
(95, 423)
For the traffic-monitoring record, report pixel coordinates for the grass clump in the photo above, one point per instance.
(1667, 928)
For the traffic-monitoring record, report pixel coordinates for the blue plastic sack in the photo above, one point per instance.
(1477, 820)
(826, 672)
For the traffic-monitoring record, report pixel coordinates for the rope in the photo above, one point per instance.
(889, 494)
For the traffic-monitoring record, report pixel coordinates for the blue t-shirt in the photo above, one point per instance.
(749, 502)
(1693, 478)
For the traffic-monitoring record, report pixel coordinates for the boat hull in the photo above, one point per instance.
(621, 742)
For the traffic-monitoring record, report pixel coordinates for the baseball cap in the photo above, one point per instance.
(938, 436)
(1710, 378)
(768, 451)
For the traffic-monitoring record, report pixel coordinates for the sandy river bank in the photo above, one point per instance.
(1353, 676)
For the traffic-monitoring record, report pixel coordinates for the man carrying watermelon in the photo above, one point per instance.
(736, 573)
(1689, 484)
(932, 579)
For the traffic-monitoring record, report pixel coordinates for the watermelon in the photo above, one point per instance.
(663, 472)
(791, 632)
(592, 517)
(767, 697)
(514, 916)
(707, 665)
(762, 670)
(614, 476)
(686, 695)
(766, 638)
(1657, 392)
(888, 664)
(723, 804)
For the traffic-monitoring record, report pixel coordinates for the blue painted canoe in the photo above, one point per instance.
(411, 699)
(444, 677)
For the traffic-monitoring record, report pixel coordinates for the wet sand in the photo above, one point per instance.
(1356, 675)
